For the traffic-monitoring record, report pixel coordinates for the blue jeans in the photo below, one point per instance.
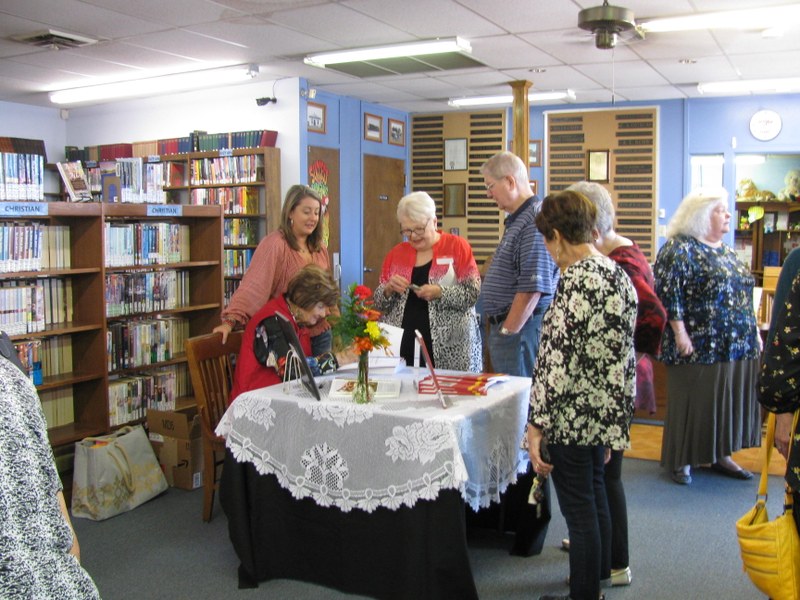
(618, 510)
(578, 479)
(515, 354)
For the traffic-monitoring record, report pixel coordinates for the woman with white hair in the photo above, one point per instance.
(430, 282)
(712, 346)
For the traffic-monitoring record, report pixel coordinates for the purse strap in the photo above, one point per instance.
(769, 444)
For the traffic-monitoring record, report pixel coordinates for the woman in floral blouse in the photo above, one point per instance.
(711, 347)
(583, 384)
(779, 391)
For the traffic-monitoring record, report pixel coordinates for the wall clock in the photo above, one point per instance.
(765, 125)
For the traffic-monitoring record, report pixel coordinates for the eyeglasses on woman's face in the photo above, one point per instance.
(417, 231)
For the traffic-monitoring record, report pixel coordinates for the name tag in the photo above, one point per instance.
(444, 260)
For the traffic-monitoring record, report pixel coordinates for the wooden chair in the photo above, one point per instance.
(211, 365)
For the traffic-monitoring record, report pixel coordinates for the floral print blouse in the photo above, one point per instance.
(584, 383)
(779, 387)
(711, 291)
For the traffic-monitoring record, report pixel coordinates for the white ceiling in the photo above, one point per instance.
(537, 40)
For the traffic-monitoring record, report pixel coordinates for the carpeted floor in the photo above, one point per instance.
(682, 538)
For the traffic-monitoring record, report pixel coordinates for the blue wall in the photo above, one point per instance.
(700, 126)
(345, 131)
(686, 127)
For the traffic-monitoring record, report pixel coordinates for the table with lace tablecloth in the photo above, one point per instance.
(336, 485)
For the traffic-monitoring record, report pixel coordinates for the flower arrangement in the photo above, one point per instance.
(357, 325)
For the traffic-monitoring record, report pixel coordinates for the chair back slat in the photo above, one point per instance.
(211, 366)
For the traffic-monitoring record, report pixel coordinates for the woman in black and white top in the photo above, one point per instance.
(584, 384)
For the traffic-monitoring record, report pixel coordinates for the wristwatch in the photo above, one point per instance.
(504, 331)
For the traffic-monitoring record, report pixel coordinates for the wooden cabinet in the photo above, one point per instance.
(770, 237)
(84, 323)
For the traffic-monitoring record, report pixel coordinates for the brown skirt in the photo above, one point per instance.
(712, 411)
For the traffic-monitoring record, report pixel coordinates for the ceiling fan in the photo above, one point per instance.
(608, 22)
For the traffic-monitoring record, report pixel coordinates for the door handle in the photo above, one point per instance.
(367, 270)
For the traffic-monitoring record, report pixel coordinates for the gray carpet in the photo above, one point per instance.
(683, 546)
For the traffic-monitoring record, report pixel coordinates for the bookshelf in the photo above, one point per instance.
(172, 295)
(766, 241)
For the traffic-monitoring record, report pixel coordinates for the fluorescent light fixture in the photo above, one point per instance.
(508, 99)
(708, 160)
(439, 46)
(751, 86)
(755, 18)
(155, 85)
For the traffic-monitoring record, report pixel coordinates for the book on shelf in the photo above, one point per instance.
(75, 181)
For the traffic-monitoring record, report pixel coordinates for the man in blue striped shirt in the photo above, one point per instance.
(522, 277)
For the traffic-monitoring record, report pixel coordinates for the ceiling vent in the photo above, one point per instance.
(606, 23)
(54, 40)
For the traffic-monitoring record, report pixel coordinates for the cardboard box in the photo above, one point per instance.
(183, 423)
(181, 461)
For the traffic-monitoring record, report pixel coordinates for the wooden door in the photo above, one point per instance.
(323, 176)
(384, 185)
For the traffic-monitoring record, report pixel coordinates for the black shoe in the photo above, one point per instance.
(737, 474)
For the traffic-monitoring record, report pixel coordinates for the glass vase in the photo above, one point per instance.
(362, 393)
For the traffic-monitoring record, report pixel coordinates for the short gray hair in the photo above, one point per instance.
(416, 206)
(601, 199)
(693, 216)
(504, 164)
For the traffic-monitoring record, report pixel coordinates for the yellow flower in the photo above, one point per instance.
(374, 331)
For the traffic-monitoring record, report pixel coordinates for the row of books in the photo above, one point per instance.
(227, 169)
(55, 354)
(22, 146)
(234, 200)
(129, 398)
(58, 406)
(145, 342)
(33, 246)
(153, 291)
(229, 289)
(30, 356)
(131, 244)
(236, 261)
(254, 138)
(22, 307)
(141, 182)
(194, 142)
(240, 232)
(21, 177)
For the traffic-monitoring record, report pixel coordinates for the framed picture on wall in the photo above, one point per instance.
(373, 128)
(455, 200)
(455, 154)
(397, 132)
(598, 165)
(535, 153)
(315, 119)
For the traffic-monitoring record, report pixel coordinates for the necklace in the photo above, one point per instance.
(294, 310)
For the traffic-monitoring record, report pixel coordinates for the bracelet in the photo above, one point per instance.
(230, 322)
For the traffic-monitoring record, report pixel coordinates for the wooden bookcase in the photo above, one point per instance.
(771, 237)
(88, 329)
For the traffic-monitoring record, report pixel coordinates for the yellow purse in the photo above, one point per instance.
(771, 549)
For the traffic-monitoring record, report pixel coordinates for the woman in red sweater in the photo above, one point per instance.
(309, 298)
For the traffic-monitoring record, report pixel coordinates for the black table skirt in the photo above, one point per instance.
(410, 553)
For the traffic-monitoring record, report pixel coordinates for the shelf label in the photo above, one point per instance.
(25, 209)
(226, 152)
(164, 210)
(154, 158)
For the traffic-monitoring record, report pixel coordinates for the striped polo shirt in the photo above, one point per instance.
(521, 263)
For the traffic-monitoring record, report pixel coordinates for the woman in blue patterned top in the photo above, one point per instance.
(711, 347)
(584, 384)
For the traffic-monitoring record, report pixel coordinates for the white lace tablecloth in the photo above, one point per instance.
(390, 453)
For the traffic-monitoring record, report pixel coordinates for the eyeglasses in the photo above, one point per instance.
(490, 186)
(417, 231)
